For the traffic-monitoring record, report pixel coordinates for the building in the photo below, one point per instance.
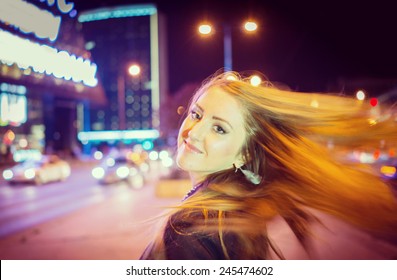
(45, 75)
(120, 37)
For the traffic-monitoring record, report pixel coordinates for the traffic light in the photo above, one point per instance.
(373, 101)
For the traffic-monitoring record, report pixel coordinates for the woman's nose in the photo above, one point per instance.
(196, 131)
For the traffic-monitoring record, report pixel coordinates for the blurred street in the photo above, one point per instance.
(79, 219)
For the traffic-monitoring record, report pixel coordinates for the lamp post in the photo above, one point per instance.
(133, 70)
(227, 48)
(206, 29)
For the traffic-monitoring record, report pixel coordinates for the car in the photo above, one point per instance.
(48, 168)
(118, 169)
(388, 169)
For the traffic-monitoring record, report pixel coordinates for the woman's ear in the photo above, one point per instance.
(239, 162)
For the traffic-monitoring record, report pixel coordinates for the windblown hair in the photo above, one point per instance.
(288, 133)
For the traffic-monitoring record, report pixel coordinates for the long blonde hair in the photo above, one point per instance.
(288, 133)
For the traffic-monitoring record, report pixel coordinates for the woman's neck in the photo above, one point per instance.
(196, 179)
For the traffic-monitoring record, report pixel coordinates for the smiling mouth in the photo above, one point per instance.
(192, 147)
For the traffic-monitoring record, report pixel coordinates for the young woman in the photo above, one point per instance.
(266, 186)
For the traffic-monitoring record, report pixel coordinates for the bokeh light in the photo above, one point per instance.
(205, 29)
(250, 26)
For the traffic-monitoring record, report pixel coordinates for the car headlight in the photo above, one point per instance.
(122, 172)
(388, 171)
(98, 173)
(8, 174)
(29, 173)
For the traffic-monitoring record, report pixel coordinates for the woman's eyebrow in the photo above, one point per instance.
(214, 117)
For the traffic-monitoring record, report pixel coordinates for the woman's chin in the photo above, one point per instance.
(184, 163)
(180, 162)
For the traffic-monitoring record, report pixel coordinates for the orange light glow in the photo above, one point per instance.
(388, 170)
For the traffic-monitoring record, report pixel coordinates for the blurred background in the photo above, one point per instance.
(90, 91)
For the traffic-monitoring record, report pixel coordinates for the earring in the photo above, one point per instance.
(249, 175)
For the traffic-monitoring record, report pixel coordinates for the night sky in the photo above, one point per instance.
(303, 44)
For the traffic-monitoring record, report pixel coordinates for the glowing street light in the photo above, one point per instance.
(255, 80)
(250, 26)
(206, 29)
(360, 95)
(231, 77)
(134, 70)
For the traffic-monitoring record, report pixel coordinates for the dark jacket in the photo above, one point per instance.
(181, 242)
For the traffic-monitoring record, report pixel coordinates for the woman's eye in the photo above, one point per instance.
(219, 129)
(194, 115)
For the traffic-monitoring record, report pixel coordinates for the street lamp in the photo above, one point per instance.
(250, 26)
(255, 80)
(133, 70)
(206, 29)
(360, 95)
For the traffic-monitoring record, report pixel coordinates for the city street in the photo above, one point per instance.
(80, 219)
(25, 205)
(93, 221)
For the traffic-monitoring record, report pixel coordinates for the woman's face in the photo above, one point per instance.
(212, 135)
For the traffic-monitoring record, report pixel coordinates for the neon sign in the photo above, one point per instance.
(61, 4)
(45, 59)
(118, 12)
(30, 19)
(86, 136)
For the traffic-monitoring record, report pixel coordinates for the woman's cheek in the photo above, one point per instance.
(222, 147)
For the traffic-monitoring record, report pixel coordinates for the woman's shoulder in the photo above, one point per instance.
(186, 238)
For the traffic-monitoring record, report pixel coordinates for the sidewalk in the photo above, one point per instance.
(115, 229)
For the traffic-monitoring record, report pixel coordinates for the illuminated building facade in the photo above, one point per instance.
(119, 37)
(45, 76)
